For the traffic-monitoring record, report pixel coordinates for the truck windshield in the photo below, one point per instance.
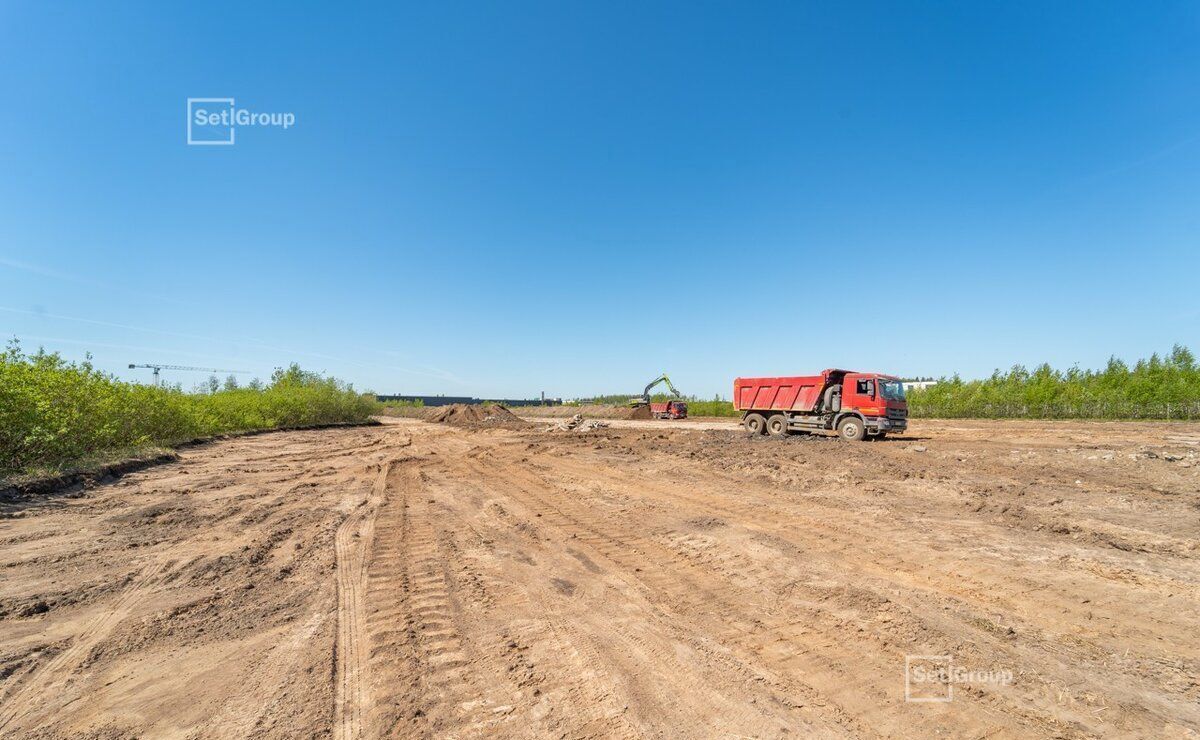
(893, 390)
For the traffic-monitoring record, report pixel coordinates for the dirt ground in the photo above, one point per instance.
(657, 579)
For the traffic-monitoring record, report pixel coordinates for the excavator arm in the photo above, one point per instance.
(660, 379)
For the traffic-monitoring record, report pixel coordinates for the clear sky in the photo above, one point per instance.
(497, 199)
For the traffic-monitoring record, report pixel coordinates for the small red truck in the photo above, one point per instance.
(669, 410)
(856, 405)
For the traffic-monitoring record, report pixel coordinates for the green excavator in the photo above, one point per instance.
(676, 408)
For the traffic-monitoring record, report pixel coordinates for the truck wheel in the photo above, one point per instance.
(851, 429)
(777, 425)
(755, 423)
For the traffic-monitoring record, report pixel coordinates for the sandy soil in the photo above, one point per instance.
(420, 580)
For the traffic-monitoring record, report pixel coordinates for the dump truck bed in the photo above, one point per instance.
(791, 393)
(669, 409)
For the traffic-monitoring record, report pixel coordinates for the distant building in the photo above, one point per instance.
(429, 400)
(918, 384)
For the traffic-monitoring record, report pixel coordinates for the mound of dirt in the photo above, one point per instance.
(461, 414)
(640, 412)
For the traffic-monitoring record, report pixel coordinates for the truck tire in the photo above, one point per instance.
(851, 429)
(755, 423)
(777, 425)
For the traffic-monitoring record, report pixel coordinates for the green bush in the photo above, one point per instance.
(712, 408)
(55, 413)
(415, 404)
(1157, 388)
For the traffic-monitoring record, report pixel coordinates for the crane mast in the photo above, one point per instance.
(156, 367)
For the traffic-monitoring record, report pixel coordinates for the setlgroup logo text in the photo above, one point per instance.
(215, 121)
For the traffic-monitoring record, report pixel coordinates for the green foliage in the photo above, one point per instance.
(712, 408)
(610, 399)
(415, 404)
(1158, 388)
(54, 413)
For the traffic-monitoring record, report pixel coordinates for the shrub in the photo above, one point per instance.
(1157, 388)
(55, 413)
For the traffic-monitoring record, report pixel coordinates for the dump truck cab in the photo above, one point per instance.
(855, 404)
(878, 400)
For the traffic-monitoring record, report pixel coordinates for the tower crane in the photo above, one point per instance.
(156, 367)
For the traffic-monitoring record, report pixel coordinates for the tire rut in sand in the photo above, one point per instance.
(787, 634)
(420, 662)
(809, 610)
(674, 599)
(544, 665)
(443, 662)
(352, 543)
(783, 639)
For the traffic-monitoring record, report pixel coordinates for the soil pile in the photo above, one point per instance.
(640, 412)
(461, 414)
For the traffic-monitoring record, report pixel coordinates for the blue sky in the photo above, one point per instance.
(503, 198)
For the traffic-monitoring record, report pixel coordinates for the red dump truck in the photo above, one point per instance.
(669, 410)
(856, 405)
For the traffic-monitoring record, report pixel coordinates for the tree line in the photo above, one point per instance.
(1161, 387)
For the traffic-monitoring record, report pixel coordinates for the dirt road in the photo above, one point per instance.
(417, 580)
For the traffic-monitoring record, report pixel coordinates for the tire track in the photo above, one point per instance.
(554, 669)
(833, 551)
(788, 634)
(675, 598)
(779, 635)
(353, 543)
(425, 670)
